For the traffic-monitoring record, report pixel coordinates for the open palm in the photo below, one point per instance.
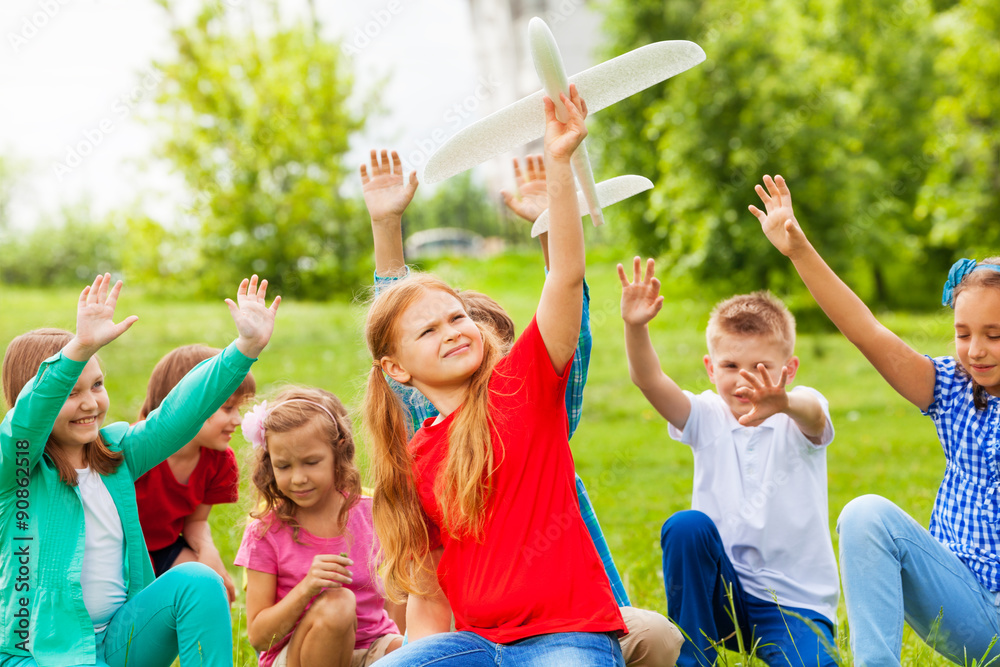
(777, 221)
(387, 193)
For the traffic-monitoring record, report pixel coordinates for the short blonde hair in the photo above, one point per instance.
(757, 314)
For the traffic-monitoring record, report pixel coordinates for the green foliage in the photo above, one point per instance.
(257, 126)
(65, 250)
(837, 96)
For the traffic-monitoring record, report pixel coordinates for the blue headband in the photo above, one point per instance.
(959, 270)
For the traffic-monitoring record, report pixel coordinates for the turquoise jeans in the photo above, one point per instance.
(185, 612)
(892, 569)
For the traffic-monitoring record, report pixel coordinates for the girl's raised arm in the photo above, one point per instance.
(908, 372)
(561, 303)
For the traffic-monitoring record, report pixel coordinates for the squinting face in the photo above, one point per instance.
(735, 353)
(440, 347)
(977, 335)
(218, 429)
(303, 466)
(83, 413)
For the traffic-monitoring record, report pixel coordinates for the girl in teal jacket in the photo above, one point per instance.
(76, 585)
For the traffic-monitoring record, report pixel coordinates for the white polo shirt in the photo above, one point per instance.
(764, 487)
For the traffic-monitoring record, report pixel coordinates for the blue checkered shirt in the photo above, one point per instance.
(420, 409)
(966, 515)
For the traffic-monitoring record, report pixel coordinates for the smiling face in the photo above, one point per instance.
(439, 346)
(303, 466)
(218, 429)
(82, 416)
(977, 335)
(733, 353)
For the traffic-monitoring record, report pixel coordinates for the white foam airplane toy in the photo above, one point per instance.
(524, 120)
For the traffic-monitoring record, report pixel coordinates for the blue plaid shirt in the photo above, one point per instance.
(420, 409)
(966, 515)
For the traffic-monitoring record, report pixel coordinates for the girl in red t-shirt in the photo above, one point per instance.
(478, 515)
(176, 497)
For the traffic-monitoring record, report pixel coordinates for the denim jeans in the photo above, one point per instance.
(698, 576)
(185, 611)
(563, 649)
(893, 569)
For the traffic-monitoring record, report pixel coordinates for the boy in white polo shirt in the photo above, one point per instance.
(759, 523)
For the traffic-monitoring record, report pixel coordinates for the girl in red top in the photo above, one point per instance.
(478, 516)
(175, 497)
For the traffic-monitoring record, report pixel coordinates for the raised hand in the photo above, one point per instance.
(254, 320)
(327, 571)
(387, 193)
(779, 223)
(95, 312)
(766, 397)
(532, 197)
(561, 139)
(641, 298)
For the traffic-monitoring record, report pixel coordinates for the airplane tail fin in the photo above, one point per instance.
(608, 192)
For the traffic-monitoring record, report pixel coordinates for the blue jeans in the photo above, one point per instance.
(185, 611)
(467, 649)
(893, 569)
(698, 576)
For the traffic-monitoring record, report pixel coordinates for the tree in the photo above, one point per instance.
(258, 123)
(836, 96)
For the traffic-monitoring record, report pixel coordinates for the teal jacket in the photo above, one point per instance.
(42, 613)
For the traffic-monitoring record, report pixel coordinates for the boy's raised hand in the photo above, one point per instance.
(386, 192)
(254, 320)
(95, 313)
(532, 196)
(561, 139)
(778, 222)
(641, 298)
(766, 397)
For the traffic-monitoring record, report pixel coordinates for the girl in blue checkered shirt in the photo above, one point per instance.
(945, 581)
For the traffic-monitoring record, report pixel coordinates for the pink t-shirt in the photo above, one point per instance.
(275, 552)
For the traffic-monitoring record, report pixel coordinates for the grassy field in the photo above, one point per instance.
(635, 474)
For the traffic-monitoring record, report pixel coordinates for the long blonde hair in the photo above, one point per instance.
(463, 488)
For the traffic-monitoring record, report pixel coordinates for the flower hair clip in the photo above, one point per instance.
(253, 425)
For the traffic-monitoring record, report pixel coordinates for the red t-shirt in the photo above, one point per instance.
(536, 570)
(164, 502)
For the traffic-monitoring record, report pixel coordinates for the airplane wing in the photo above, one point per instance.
(524, 121)
(609, 192)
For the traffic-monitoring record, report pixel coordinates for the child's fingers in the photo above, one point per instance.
(541, 167)
(242, 289)
(530, 165)
(373, 158)
(782, 187)
(550, 109)
(112, 299)
(636, 270)
(397, 164)
(274, 304)
(650, 270)
(518, 175)
(364, 175)
(386, 167)
(759, 214)
(764, 196)
(765, 376)
(772, 189)
(262, 290)
(783, 378)
(622, 277)
(252, 286)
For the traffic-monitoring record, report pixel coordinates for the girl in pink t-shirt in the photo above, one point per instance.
(307, 601)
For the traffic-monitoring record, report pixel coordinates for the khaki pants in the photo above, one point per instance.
(362, 657)
(652, 640)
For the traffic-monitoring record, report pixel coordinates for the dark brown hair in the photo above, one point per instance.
(293, 408)
(980, 278)
(21, 361)
(178, 363)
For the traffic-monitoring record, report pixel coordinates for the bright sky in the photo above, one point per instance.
(75, 75)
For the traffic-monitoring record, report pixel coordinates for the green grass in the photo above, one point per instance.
(635, 474)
